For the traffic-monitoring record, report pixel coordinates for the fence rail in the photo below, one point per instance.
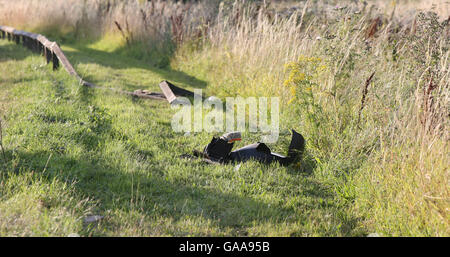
(53, 53)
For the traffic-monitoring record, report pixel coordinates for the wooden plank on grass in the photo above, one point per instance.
(167, 91)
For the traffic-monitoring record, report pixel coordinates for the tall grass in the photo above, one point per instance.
(143, 29)
(384, 138)
(368, 84)
(138, 20)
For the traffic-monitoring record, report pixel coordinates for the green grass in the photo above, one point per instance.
(73, 152)
(376, 156)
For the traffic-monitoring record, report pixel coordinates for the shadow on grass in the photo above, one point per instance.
(112, 187)
(118, 61)
(12, 51)
(115, 188)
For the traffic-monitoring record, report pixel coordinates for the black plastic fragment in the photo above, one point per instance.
(219, 151)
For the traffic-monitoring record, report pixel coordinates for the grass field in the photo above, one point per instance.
(377, 149)
(73, 152)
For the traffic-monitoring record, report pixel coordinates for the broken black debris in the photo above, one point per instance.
(219, 151)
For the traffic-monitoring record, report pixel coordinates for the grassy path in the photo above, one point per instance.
(73, 152)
